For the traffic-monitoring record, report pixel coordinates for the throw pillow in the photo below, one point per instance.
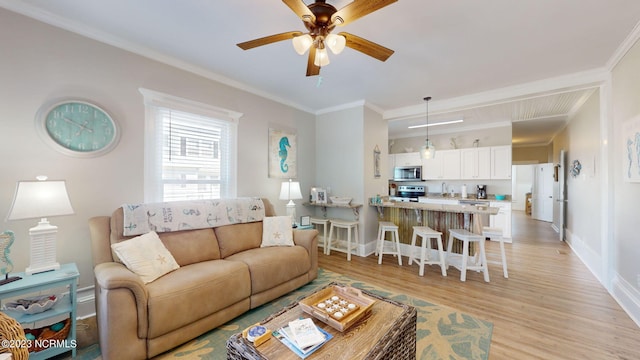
(276, 231)
(146, 256)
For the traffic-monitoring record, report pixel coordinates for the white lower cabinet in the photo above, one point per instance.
(502, 219)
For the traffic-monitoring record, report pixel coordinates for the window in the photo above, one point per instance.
(190, 149)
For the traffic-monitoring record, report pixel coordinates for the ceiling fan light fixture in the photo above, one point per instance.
(302, 43)
(322, 57)
(336, 43)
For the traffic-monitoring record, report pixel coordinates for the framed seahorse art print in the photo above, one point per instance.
(631, 143)
(283, 149)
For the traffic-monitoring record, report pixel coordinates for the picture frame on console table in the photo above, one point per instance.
(321, 196)
(282, 153)
(305, 220)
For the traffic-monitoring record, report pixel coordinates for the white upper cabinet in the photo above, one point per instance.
(482, 163)
(475, 163)
(451, 163)
(408, 159)
(444, 166)
(501, 162)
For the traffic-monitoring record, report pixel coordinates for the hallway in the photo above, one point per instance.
(550, 307)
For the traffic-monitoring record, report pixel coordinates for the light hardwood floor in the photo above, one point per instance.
(550, 307)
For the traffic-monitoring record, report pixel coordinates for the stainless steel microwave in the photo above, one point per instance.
(407, 173)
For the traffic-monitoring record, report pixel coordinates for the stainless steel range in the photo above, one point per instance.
(408, 193)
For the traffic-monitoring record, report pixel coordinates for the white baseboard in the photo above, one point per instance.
(624, 293)
(86, 302)
(591, 259)
(627, 296)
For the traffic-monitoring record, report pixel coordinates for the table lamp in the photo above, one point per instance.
(291, 191)
(41, 199)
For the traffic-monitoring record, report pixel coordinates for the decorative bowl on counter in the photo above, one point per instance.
(339, 200)
(501, 197)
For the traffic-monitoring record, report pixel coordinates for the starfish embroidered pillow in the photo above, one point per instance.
(276, 231)
(146, 256)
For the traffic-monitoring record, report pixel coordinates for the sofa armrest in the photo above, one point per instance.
(100, 231)
(111, 277)
(309, 240)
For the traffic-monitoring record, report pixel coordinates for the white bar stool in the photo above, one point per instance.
(496, 233)
(383, 227)
(466, 237)
(323, 222)
(427, 233)
(344, 224)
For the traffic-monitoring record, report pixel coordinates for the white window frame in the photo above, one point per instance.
(153, 184)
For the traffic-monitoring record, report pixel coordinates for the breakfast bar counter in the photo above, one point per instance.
(440, 217)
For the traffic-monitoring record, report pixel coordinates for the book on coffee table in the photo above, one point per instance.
(305, 332)
(286, 336)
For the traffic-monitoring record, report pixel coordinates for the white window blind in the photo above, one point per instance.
(190, 150)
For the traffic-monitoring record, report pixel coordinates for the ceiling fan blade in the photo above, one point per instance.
(268, 40)
(299, 7)
(312, 68)
(358, 9)
(367, 47)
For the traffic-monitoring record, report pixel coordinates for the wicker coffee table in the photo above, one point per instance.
(389, 332)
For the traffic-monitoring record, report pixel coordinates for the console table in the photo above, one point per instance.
(324, 206)
(33, 285)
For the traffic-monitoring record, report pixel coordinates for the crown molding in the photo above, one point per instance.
(624, 47)
(347, 106)
(100, 36)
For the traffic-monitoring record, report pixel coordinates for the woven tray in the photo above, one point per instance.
(332, 295)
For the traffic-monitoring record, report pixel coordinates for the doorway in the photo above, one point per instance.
(542, 192)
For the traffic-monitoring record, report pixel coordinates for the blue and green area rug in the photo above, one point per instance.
(442, 332)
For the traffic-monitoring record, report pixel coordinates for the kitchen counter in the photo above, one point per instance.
(490, 197)
(464, 209)
(440, 217)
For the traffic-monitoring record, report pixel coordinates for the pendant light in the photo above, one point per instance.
(427, 151)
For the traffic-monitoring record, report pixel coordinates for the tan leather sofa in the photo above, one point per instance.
(223, 273)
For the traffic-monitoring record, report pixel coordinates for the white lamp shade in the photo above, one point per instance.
(290, 191)
(302, 43)
(336, 43)
(40, 199)
(322, 58)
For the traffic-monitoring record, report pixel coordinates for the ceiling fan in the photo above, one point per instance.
(320, 19)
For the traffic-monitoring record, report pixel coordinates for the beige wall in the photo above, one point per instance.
(40, 63)
(580, 140)
(532, 154)
(488, 137)
(626, 196)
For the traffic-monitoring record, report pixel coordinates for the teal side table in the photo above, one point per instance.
(30, 285)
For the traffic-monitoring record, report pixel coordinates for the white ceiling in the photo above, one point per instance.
(489, 61)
